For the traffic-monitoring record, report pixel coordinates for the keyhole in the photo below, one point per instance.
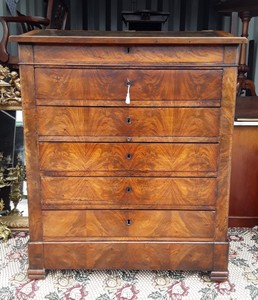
(129, 155)
(128, 189)
(128, 222)
(128, 120)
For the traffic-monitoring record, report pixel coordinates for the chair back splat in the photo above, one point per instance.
(57, 12)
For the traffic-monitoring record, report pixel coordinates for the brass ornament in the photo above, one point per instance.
(10, 87)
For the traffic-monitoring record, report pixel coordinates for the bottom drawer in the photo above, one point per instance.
(78, 225)
(122, 255)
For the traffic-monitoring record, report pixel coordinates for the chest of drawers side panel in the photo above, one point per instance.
(220, 268)
(224, 159)
(35, 247)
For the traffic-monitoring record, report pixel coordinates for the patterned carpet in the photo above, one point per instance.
(131, 285)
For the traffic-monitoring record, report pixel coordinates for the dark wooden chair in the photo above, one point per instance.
(246, 10)
(56, 16)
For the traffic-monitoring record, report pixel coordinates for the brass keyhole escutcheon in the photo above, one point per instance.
(128, 222)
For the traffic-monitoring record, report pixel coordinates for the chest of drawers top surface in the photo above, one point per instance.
(102, 47)
(131, 37)
(110, 180)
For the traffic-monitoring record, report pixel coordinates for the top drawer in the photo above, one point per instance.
(54, 86)
(123, 54)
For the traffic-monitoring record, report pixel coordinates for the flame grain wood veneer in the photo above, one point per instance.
(139, 185)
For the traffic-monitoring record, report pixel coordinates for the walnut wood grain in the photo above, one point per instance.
(220, 268)
(224, 169)
(129, 192)
(158, 200)
(135, 103)
(80, 225)
(154, 255)
(243, 204)
(246, 108)
(133, 55)
(36, 263)
(90, 37)
(128, 122)
(144, 255)
(89, 157)
(31, 149)
(111, 84)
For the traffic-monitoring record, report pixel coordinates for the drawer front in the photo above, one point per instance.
(92, 157)
(138, 55)
(127, 225)
(127, 192)
(111, 84)
(130, 122)
(133, 255)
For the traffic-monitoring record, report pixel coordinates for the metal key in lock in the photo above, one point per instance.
(127, 99)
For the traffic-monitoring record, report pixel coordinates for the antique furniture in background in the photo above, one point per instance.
(145, 20)
(246, 10)
(243, 208)
(128, 146)
(56, 17)
(10, 97)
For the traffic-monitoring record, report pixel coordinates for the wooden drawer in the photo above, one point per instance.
(127, 225)
(128, 122)
(133, 255)
(144, 158)
(139, 55)
(127, 192)
(111, 84)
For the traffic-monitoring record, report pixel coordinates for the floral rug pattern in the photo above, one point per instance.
(131, 285)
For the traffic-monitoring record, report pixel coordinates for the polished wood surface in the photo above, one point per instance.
(128, 192)
(128, 225)
(111, 84)
(133, 255)
(108, 158)
(246, 108)
(69, 37)
(127, 122)
(143, 185)
(133, 54)
(243, 209)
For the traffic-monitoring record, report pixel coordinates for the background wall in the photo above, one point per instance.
(184, 14)
(106, 15)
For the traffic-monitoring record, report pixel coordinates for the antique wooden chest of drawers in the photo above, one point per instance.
(128, 141)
